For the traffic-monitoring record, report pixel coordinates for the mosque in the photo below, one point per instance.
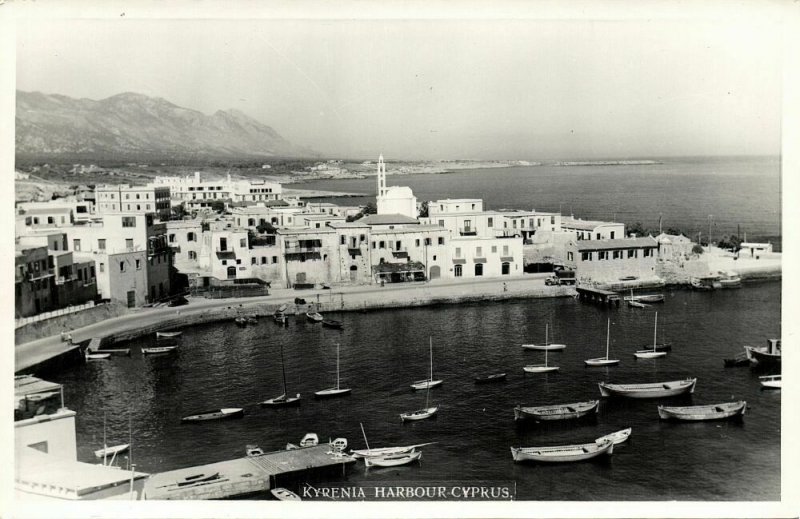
(394, 199)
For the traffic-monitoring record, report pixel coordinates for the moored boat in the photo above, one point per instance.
(740, 359)
(487, 379)
(336, 390)
(90, 355)
(616, 437)
(703, 412)
(770, 381)
(216, 414)
(283, 494)
(546, 346)
(557, 411)
(563, 453)
(393, 460)
(241, 321)
(314, 317)
(769, 355)
(730, 279)
(330, 323)
(309, 440)
(604, 361)
(637, 304)
(651, 353)
(651, 390)
(168, 335)
(283, 399)
(430, 381)
(158, 350)
(111, 451)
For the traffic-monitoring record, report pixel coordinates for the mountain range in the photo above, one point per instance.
(135, 125)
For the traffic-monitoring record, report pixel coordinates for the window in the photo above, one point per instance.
(243, 242)
(101, 244)
(138, 264)
(238, 262)
(191, 237)
(648, 253)
(363, 237)
(552, 220)
(427, 241)
(586, 256)
(505, 268)
(398, 245)
(129, 221)
(127, 196)
(36, 220)
(467, 225)
(458, 252)
(102, 267)
(490, 222)
(617, 254)
(224, 262)
(441, 240)
(172, 238)
(374, 245)
(50, 219)
(494, 249)
(478, 269)
(612, 235)
(223, 244)
(631, 253)
(274, 259)
(80, 275)
(598, 236)
(342, 239)
(479, 252)
(122, 266)
(570, 256)
(416, 242)
(192, 255)
(129, 243)
(505, 250)
(382, 245)
(441, 223)
(602, 255)
(263, 260)
(457, 271)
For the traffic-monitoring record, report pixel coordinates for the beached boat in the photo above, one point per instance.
(487, 379)
(158, 350)
(604, 361)
(540, 368)
(216, 414)
(282, 494)
(652, 390)
(557, 411)
(428, 382)
(330, 323)
(616, 437)
(168, 335)
(393, 460)
(90, 355)
(314, 317)
(309, 440)
(197, 479)
(546, 346)
(337, 390)
(563, 453)
(703, 412)
(651, 353)
(770, 381)
(111, 451)
(283, 399)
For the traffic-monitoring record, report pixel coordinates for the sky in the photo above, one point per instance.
(441, 88)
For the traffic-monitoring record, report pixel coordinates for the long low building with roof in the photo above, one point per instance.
(608, 261)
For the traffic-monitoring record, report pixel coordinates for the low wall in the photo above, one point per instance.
(67, 322)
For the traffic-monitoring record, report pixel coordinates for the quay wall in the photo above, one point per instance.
(67, 322)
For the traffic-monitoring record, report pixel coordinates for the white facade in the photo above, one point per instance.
(607, 261)
(592, 229)
(203, 192)
(394, 199)
(458, 205)
(133, 199)
(475, 257)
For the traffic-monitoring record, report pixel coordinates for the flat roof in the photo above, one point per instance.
(46, 210)
(586, 225)
(30, 385)
(622, 243)
(344, 225)
(416, 228)
(389, 219)
(290, 231)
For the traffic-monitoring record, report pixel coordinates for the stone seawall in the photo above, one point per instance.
(65, 323)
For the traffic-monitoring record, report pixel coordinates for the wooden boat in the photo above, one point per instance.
(125, 352)
(425, 412)
(546, 346)
(765, 356)
(384, 451)
(282, 494)
(730, 280)
(393, 460)
(487, 379)
(739, 359)
(637, 304)
(168, 335)
(703, 412)
(563, 453)
(96, 356)
(159, 350)
(216, 414)
(330, 323)
(770, 381)
(604, 361)
(651, 353)
(645, 298)
(241, 321)
(309, 440)
(281, 319)
(429, 382)
(540, 368)
(616, 437)
(558, 411)
(653, 390)
(111, 451)
(705, 283)
(336, 390)
(315, 317)
(253, 451)
(338, 444)
(282, 400)
(197, 479)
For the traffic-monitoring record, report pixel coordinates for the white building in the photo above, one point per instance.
(593, 229)
(133, 199)
(394, 199)
(607, 261)
(201, 193)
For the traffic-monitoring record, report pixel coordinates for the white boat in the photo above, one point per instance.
(283, 399)
(158, 350)
(421, 414)
(168, 335)
(558, 411)
(770, 381)
(96, 356)
(616, 437)
(637, 304)
(315, 317)
(730, 279)
(336, 390)
(111, 451)
(215, 414)
(384, 451)
(652, 390)
(309, 440)
(563, 453)
(429, 382)
(697, 413)
(546, 346)
(651, 353)
(282, 494)
(645, 298)
(540, 368)
(393, 460)
(604, 361)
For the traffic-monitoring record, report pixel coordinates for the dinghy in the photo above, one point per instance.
(168, 335)
(429, 382)
(654, 390)
(393, 460)
(604, 361)
(336, 390)
(616, 437)
(557, 412)
(770, 381)
(703, 412)
(546, 346)
(158, 350)
(216, 414)
(282, 494)
(111, 451)
(563, 453)
(651, 353)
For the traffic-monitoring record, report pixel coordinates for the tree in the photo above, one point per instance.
(218, 206)
(697, 249)
(265, 228)
(370, 208)
(179, 212)
(423, 210)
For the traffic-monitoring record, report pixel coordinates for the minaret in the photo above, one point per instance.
(381, 177)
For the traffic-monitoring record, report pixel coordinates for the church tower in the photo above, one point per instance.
(381, 178)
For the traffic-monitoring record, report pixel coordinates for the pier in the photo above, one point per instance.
(598, 296)
(247, 475)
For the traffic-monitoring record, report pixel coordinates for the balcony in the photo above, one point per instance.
(468, 231)
(297, 249)
(32, 276)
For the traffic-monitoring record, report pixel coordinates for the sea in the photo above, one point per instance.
(384, 351)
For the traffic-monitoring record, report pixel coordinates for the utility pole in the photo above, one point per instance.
(709, 231)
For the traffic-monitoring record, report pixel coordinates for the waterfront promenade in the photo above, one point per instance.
(346, 298)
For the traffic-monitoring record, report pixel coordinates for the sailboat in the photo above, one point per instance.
(283, 400)
(540, 368)
(421, 414)
(333, 391)
(107, 451)
(429, 382)
(385, 451)
(651, 353)
(604, 361)
(546, 346)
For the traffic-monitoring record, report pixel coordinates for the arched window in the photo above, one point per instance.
(458, 271)
(478, 269)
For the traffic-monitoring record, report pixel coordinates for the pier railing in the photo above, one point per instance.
(22, 321)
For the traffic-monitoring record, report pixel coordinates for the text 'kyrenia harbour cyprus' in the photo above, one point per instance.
(506, 279)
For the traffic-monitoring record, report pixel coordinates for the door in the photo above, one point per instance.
(300, 277)
(353, 273)
(436, 272)
(506, 268)
(231, 272)
(131, 298)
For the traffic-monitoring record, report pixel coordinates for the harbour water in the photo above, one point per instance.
(382, 352)
(735, 191)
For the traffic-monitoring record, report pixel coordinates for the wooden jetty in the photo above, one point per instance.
(598, 296)
(245, 476)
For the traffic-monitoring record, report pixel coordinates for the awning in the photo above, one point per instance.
(354, 252)
(479, 260)
(507, 258)
(459, 261)
(226, 255)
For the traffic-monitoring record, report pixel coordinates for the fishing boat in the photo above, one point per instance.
(703, 412)
(546, 346)
(645, 298)
(168, 335)
(766, 356)
(557, 411)
(429, 382)
(309, 440)
(651, 353)
(540, 368)
(336, 390)
(616, 437)
(652, 390)
(487, 379)
(393, 460)
(216, 414)
(770, 381)
(425, 412)
(283, 399)
(705, 283)
(282, 494)
(111, 451)
(563, 453)
(330, 323)
(314, 317)
(158, 350)
(730, 279)
(604, 361)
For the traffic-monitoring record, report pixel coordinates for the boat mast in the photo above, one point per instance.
(431, 345)
(608, 337)
(365, 436)
(105, 447)
(283, 367)
(546, 342)
(655, 332)
(337, 365)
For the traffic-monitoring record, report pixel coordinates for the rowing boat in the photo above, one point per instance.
(703, 412)
(770, 381)
(393, 460)
(168, 335)
(616, 437)
(563, 453)
(653, 390)
(217, 414)
(557, 412)
(494, 377)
